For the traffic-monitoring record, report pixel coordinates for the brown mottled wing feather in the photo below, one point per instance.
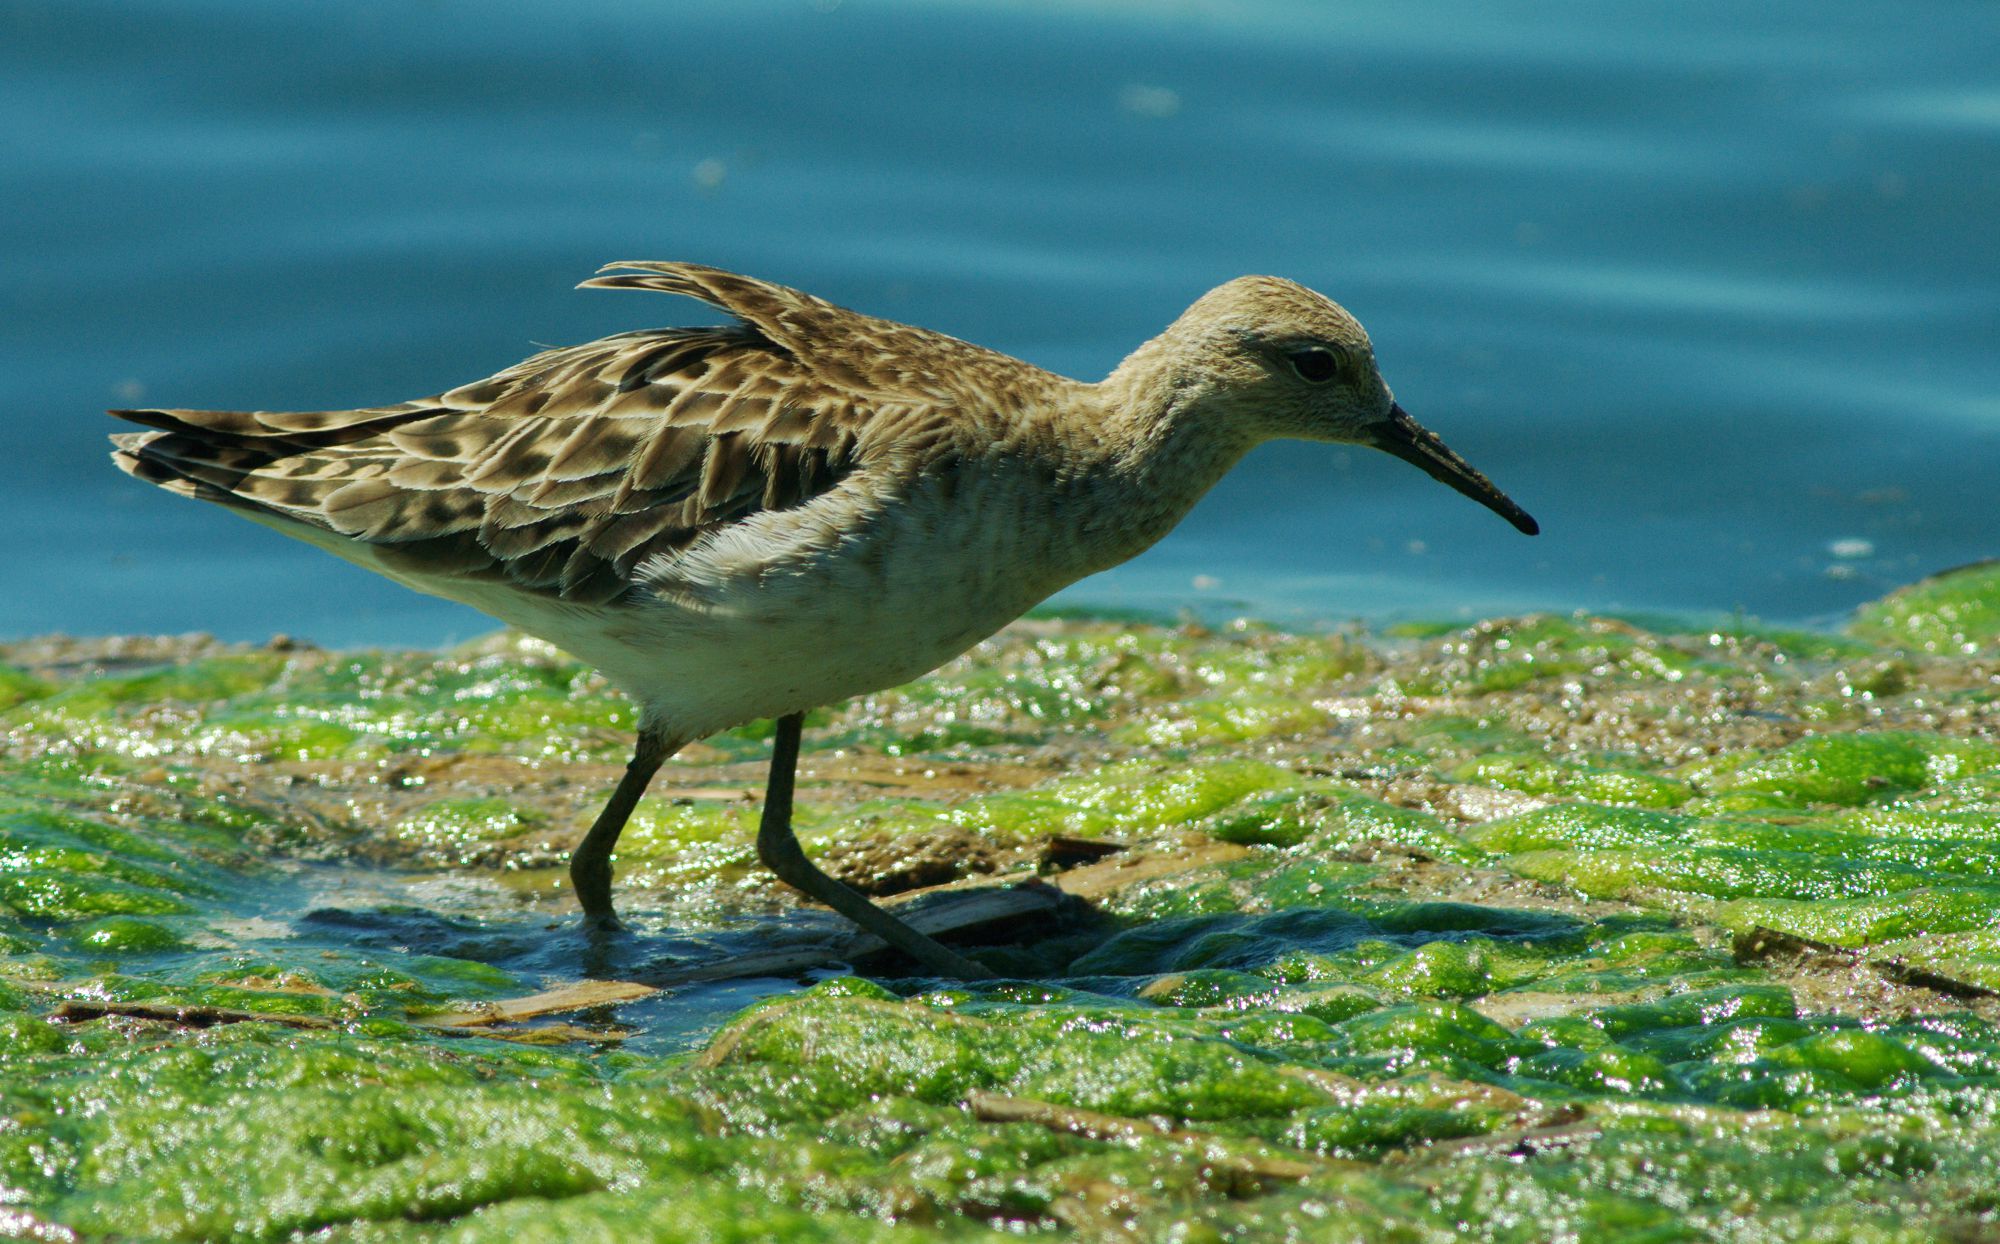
(560, 475)
(564, 473)
(856, 353)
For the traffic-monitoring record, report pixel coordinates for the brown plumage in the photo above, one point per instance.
(563, 473)
(806, 504)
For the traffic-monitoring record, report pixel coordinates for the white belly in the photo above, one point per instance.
(787, 611)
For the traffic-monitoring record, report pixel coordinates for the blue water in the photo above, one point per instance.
(1713, 289)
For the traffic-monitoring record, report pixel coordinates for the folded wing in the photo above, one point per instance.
(563, 474)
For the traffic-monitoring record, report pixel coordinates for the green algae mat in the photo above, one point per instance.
(1546, 928)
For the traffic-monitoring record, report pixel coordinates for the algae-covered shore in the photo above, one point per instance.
(1544, 928)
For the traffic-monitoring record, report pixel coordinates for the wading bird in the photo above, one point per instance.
(801, 506)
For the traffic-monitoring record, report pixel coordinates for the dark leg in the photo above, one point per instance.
(781, 853)
(590, 863)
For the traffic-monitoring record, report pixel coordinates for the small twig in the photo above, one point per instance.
(1904, 973)
(1559, 1128)
(1760, 945)
(77, 1011)
(540, 1034)
(1063, 851)
(578, 997)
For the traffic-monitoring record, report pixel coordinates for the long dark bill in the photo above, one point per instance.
(1420, 447)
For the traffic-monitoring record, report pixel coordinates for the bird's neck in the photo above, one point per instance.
(1159, 452)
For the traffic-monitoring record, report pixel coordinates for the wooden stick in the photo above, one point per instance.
(578, 997)
(77, 1011)
(1761, 944)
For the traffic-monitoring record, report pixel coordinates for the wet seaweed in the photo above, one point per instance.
(1530, 929)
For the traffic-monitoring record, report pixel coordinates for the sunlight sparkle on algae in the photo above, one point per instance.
(1462, 961)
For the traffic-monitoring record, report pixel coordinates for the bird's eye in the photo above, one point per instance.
(1314, 364)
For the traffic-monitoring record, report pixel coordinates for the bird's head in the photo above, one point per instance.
(1262, 358)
